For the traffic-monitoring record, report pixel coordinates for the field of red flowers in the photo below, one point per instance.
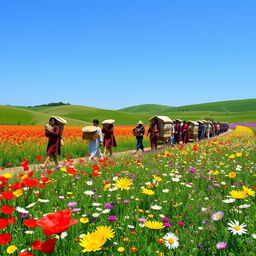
(18, 142)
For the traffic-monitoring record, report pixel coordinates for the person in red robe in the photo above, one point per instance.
(109, 140)
(54, 142)
(177, 132)
(154, 133)
(185, 132)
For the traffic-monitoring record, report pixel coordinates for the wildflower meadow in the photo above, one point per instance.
(197, 199)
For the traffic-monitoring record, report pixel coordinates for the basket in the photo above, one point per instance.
(108, 121)
(136, 132)
(90, 133)
(48, 127)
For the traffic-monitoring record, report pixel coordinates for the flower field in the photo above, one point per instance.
(19, 142)
(197, 199)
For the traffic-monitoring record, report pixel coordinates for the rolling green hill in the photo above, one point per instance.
(25, 116)
(238, 111)
(221, 106)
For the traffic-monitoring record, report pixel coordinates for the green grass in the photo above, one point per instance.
(24, 116)
(231, 111)
(221, 106)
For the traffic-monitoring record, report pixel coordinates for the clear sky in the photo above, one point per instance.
(118, 53)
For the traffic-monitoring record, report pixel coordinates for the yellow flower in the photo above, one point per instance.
(184, 152)
(238, 194)
(24, 176)
(151, 216)
(11, 249)
(148, 192)
(232, 156)
(157, 178)
(239, 154)
(140, 210)
(92, 242)
(249, 191)
(126, 239)
(215, 173)
(69, 193)
(120, 249)
(7, 175)
(124, 183)
(84, 220)
(153, 224)
(232, 175)
(18, 192)
(105, 231)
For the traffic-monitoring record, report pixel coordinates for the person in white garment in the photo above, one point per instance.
(94, 145)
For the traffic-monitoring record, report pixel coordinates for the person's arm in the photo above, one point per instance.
(100, 136)
(56, 132)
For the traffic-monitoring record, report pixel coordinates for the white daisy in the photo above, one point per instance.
(95, 215)
(229, 200)
(21, 210)
(62, 235)
(89, 183)
(235, 228)
(156, 207)
(254, 236)
(106, 211)
(96, 204)
(89, 193)
(171, 241)
(244, 206)
(166, 190)
(29, 232)
(43, 200)
(30, 205)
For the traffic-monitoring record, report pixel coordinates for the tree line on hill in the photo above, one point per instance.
(52, 104)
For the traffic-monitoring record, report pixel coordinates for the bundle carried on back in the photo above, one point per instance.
(61, 122)
(108, 122)
(90, 133)
(165, 125)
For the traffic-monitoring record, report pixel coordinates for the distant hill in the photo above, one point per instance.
(235, 111)
(220, 106)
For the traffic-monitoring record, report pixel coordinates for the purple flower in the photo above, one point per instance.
(108, 206)
(167, 224)
(165, 219)
(142, 220)
(93, 219)
(221, 245)
(24, 215)
(192, 169)
(131, 175)
(112, 218)
(72, 204)
(205, 221)
(126, 201)
(77, 177)
(217, 216)
(57, 167)
(76, 210)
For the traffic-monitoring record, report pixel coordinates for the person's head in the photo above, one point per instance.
(53, 121)
(95, 122)
(184, 122)
(140, 123)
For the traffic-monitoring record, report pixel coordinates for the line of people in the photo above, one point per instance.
(180, 132)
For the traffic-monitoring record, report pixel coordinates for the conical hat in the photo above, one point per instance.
(60, 120)
(108, 121)
(89, 129)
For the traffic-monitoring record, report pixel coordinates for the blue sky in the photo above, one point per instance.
(114, 54)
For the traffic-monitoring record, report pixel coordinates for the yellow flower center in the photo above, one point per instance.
(237, 228)
(171, 240)
(218, 216)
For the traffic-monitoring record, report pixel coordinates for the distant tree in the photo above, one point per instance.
(51, 104)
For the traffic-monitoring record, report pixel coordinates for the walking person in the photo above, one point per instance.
(109, 140)
(94, 145)
(178, 131)
(185, 132)
(53, 133)
(139, 130)
(154, 133)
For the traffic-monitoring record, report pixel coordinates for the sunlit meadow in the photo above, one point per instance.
(197, 199)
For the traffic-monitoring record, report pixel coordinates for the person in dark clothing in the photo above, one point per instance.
(139, 131)
(154, 134)
(52, 131)
(109, 140)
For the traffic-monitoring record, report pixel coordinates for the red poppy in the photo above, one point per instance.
(43, 185)
(71, 170)
(95, 167)
(3, 179)
(37, 245)
(11, 220)
(48, 246)
(8, 195)
(57, 222)
(39, 158)
(3, 223)
(5, 238)
(25, 254)
(15, 186)
(30, 223)
(95, 174)
(6, 209)
(44, 179)
(24, 162)
(195, 148)
(68, 155)
(32, 183)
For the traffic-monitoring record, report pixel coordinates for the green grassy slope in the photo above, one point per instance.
(221, 106)
(88, 114)
(24, 116)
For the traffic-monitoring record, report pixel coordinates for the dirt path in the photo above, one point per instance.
(36, 167)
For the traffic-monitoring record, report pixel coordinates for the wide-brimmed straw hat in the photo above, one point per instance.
(108, 121)
(179, 120)
(60, 120)
(89, 129)
(140, 122)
